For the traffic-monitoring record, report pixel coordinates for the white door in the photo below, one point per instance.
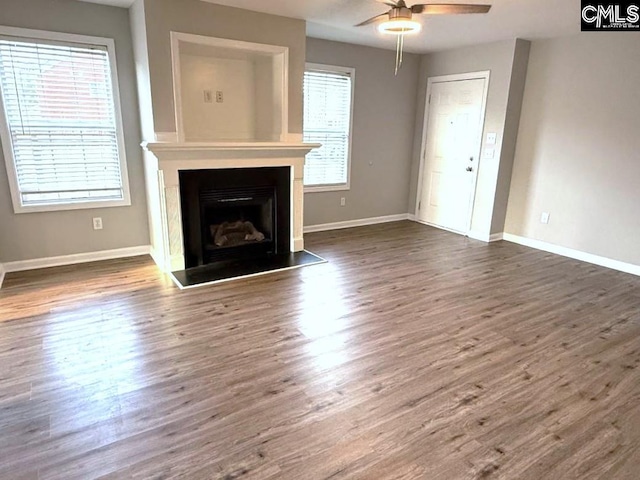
(454, 130)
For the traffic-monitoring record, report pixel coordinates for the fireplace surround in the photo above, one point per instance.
(166, 162)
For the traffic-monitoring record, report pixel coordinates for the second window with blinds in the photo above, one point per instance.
(328, 113)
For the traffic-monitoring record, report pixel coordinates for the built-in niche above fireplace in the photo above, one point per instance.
(229, 90)
(235, 214)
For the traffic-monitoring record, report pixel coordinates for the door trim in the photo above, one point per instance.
(481, 75)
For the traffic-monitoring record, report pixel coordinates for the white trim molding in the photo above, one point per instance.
(484, 237)
(575, 254)
(2, 274)
(21, 265)
(170, 137)
(356, 223)
(224, 150)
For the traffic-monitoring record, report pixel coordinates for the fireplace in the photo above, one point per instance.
(174, 168)
(235, 214)
(225, 184)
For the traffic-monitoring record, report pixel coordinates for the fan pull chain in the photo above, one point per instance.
(397, 54)
(399, 51)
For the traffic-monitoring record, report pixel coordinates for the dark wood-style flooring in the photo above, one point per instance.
(413, 354)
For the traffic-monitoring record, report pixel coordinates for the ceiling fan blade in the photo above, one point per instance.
(391, 3)
(449, 8)
(373, 19)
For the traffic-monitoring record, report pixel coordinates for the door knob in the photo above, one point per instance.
(469, 169)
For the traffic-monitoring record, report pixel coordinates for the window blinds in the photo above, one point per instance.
(59, 106)
(327, 120)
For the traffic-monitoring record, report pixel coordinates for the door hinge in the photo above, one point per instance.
(429, 101)
(419, 205)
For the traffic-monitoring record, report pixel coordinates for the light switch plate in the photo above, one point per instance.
(544, 218)
(208, 96)
(492, 138)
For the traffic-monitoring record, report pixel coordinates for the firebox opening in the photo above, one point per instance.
(237, 217)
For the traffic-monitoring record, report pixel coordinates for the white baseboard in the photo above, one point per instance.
(22, 265)
(2, 274)
(356, 223)
(575, 254)
(485, 237)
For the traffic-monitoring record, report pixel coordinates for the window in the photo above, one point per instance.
(60, 126)
(328, 99)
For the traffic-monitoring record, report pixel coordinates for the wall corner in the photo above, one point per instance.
(519, 66)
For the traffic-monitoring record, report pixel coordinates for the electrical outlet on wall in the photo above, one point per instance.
(219, 96)
(544, 218)
(97, 223)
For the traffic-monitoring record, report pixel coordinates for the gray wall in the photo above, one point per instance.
(139, 39)
(578, 152)
(382, 137)
(202, 18)
(498, 58)
(35, 235)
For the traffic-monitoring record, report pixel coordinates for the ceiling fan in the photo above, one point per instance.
(399, 19)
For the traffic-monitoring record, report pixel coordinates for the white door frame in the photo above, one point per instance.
(485, 74)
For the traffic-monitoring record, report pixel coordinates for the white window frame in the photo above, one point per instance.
(5, 136)
(319, 67)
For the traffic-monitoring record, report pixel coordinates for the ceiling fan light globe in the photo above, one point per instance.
(399, 26)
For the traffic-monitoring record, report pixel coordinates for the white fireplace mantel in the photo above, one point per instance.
(181, 151)
(164, 161)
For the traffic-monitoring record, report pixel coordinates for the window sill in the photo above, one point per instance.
(327, 188)
(71, 206)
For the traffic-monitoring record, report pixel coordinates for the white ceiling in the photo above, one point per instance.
(334, 20)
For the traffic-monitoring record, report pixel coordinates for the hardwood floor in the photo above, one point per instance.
(413, 353)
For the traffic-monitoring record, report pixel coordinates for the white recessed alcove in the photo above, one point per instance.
(228, 90)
